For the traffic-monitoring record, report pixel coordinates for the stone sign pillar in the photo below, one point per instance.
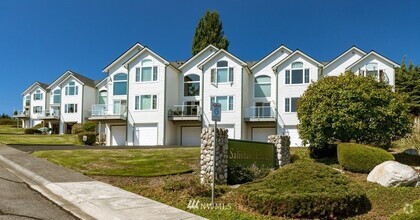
(206, 159)
(282, 144)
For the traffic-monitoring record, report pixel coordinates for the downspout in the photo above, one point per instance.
(242, 103)
(277, 100)
(165, 117)
(83, 102)
(127, 107)
(202, 98)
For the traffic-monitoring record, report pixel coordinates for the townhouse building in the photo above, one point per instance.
(146, 100)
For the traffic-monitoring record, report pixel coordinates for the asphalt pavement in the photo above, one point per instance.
(19, 201)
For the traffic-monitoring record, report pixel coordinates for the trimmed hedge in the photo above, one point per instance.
(32, 131)
(361, 158)
(91, 137)
(305, 190)
(409, 212)
(240, 174)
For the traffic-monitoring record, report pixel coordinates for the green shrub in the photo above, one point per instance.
(240, 174)
(305, 190)
(29, 131)
(409, 212)
(89, 126)
(91, 137)
(192, 186)
(38, 126)
(328, 150)
(361, 158)
(77, 128)
(358, 108)
(7, 121)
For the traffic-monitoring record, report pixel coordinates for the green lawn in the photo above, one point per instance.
(142, 162)
(12, 135)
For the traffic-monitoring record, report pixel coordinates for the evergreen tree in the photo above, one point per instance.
(407, 80)
(209, 31)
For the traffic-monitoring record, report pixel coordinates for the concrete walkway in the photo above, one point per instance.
(81, 195)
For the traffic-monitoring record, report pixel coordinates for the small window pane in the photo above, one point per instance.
(191, 78)
(297, 65)
(137, 74)
(120, 76)
(155, 73)
(146, 74)
(223, 100)
(263, 79)
(287, 105)
(287, 77)
(120, 88)
(262, 90)
(297, 76)
(146, 63)
(222, 75)
(230, 74)
(222, 64)
(137, 103)
(192, 89)
(146, 101)
(294, 105)
(306, 75)
(230, 103)
(154, 106)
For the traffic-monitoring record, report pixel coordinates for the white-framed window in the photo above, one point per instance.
(56, 96)
(226, 102)
(145, 102)
(70, 108)
(37, 109)
(291, 104)
(372, 70)
(103, 97)
(147, 72)
(120, 84)
(27, 100)
(262, 87)
(192, 85)
(71, 89)
(297, 74)
(38, 95)
(222, 74)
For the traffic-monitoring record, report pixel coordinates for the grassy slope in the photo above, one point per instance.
(144, 162)
(10, 135)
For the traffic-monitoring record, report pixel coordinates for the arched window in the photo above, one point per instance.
(71, 89)
(120, 84)
(297, 74)
(38, 95)
(147, 72)
(262, 87)
(192, 85)
(222, 73)
(103, 97)
(56, 96)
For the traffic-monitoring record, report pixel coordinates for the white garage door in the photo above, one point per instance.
(295, 140)
(146, 135)
(118, 135)
(261, 134)
(191, 136)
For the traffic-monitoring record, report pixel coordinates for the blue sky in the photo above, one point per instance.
(41, 39)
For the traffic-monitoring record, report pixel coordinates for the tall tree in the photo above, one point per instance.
(209, 31)
(407, 80)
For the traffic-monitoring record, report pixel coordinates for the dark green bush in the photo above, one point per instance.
(89, 126)
(361, 158)
(91, 137)
(328, 150)
(305, 190)
(77, 128)
(240, 174)
(7, 121)
(29, 131)
(351, 107)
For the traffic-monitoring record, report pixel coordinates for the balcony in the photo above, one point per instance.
(185, 113)
(21, 114)
(108, 112)
(260, 114)
(49, 115)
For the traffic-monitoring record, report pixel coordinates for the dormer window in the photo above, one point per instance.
(297, 74)
(222, 74)
(38, 95)
(71, 89)
(147, 72)
(120, 84)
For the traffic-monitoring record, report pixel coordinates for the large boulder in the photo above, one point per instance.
(392, 173)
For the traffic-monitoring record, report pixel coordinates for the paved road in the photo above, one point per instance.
(18, 201)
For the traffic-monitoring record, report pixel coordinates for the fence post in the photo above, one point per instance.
(282, 146)
(206, 158)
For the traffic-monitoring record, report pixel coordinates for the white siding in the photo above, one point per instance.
(171, 93)
(339, 66)
(382, 65)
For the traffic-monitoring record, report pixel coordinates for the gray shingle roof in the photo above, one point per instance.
(87, 81)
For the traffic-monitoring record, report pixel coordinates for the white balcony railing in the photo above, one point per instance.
(184, 111)
(21, 114)
(103, 110)
(257, 112)
(48, 114)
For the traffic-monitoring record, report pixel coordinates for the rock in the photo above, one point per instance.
(413, 152)
(392, 173)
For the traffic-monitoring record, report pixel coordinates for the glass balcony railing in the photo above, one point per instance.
(104, 110)
(260, 112)
(183, 112)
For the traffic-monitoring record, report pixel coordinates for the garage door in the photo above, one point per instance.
(261, 134)
(118, 135)
(146, 135)
(191, 136)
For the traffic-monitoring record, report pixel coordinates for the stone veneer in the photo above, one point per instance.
(282, 144)
(206, 160)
